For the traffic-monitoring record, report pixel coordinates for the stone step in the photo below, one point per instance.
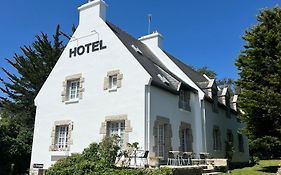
(212, 173)
(208, 170)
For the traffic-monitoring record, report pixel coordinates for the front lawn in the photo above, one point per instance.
(263, 167)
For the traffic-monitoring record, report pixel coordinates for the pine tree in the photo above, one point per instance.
(259, 66)
(20, 89)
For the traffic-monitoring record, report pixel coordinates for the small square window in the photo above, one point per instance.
(113, 82)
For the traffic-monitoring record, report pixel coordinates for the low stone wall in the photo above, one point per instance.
(186, 170)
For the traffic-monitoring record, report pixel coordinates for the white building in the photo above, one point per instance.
(108, 82)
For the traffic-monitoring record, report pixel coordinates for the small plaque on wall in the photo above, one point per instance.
(38, 165)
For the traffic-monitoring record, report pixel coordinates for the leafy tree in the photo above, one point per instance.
(32, 69)
(222, 83)
(15, 145)
(259, 66)
(205, 70)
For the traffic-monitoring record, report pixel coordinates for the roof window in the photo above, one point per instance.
(136, 49)
(163, 79)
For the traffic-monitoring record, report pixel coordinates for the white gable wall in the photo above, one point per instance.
(165, 104)
(97, 103)
(199, 147)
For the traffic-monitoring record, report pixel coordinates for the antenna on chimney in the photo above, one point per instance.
(149, 22)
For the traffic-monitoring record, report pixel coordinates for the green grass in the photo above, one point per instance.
(263, 167)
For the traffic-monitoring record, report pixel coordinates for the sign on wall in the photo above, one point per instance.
(87, 48)
(37, 165)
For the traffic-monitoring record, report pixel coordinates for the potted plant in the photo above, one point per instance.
(155, 161)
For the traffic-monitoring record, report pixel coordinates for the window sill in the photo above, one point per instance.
(185, 110)
(72, 101)
(112, 90)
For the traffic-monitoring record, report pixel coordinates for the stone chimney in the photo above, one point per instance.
(153, 40)
(94, 8)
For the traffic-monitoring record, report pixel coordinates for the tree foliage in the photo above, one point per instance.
(21, 85)
(205, 70)
(259, 66)
(15, 145)
(32, 69)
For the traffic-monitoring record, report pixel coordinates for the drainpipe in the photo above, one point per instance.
(203, 114)
(147, 117)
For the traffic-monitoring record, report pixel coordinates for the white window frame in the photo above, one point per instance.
(117, 128)
(73, 87)
(185, 139)
(61, 138)
(113, 82)
(184, 100)
(161, 140)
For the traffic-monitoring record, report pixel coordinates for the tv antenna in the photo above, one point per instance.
(149, 16)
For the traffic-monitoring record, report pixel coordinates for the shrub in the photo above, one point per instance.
(97, 158)
(266, 147)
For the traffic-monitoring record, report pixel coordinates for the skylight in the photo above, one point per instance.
(163, 79)
(136, 49)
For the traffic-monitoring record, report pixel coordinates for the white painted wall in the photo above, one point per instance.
(224, 123)
(165, 104)
(88, 114)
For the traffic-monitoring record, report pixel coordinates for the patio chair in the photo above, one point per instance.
(171, 159)
(186, 158)
(142, 156)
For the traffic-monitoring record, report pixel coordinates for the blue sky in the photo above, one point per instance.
(199, 32)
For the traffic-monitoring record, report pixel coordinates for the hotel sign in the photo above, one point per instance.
(87, 48)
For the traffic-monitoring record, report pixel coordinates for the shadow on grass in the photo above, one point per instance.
(269, 169)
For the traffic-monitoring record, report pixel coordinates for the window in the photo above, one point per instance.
(216, 138)
(117, 125)
(73, 89)
(61, 136)
(185, 139)
(240, 143)
(162, 132)
(117, 128)
(113, 82)
(229, 136)
(184, 99)
(215, 99)
(161, 140)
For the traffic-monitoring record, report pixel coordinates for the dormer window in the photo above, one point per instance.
(184, 100)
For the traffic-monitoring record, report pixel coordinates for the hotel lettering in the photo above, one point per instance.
(87, 48)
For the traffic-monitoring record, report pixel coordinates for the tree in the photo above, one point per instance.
(259, 66)
(20, 88)
(15, 141)
(33, 68)
(205, 70)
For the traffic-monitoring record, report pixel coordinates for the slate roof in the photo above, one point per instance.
(161, 76)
